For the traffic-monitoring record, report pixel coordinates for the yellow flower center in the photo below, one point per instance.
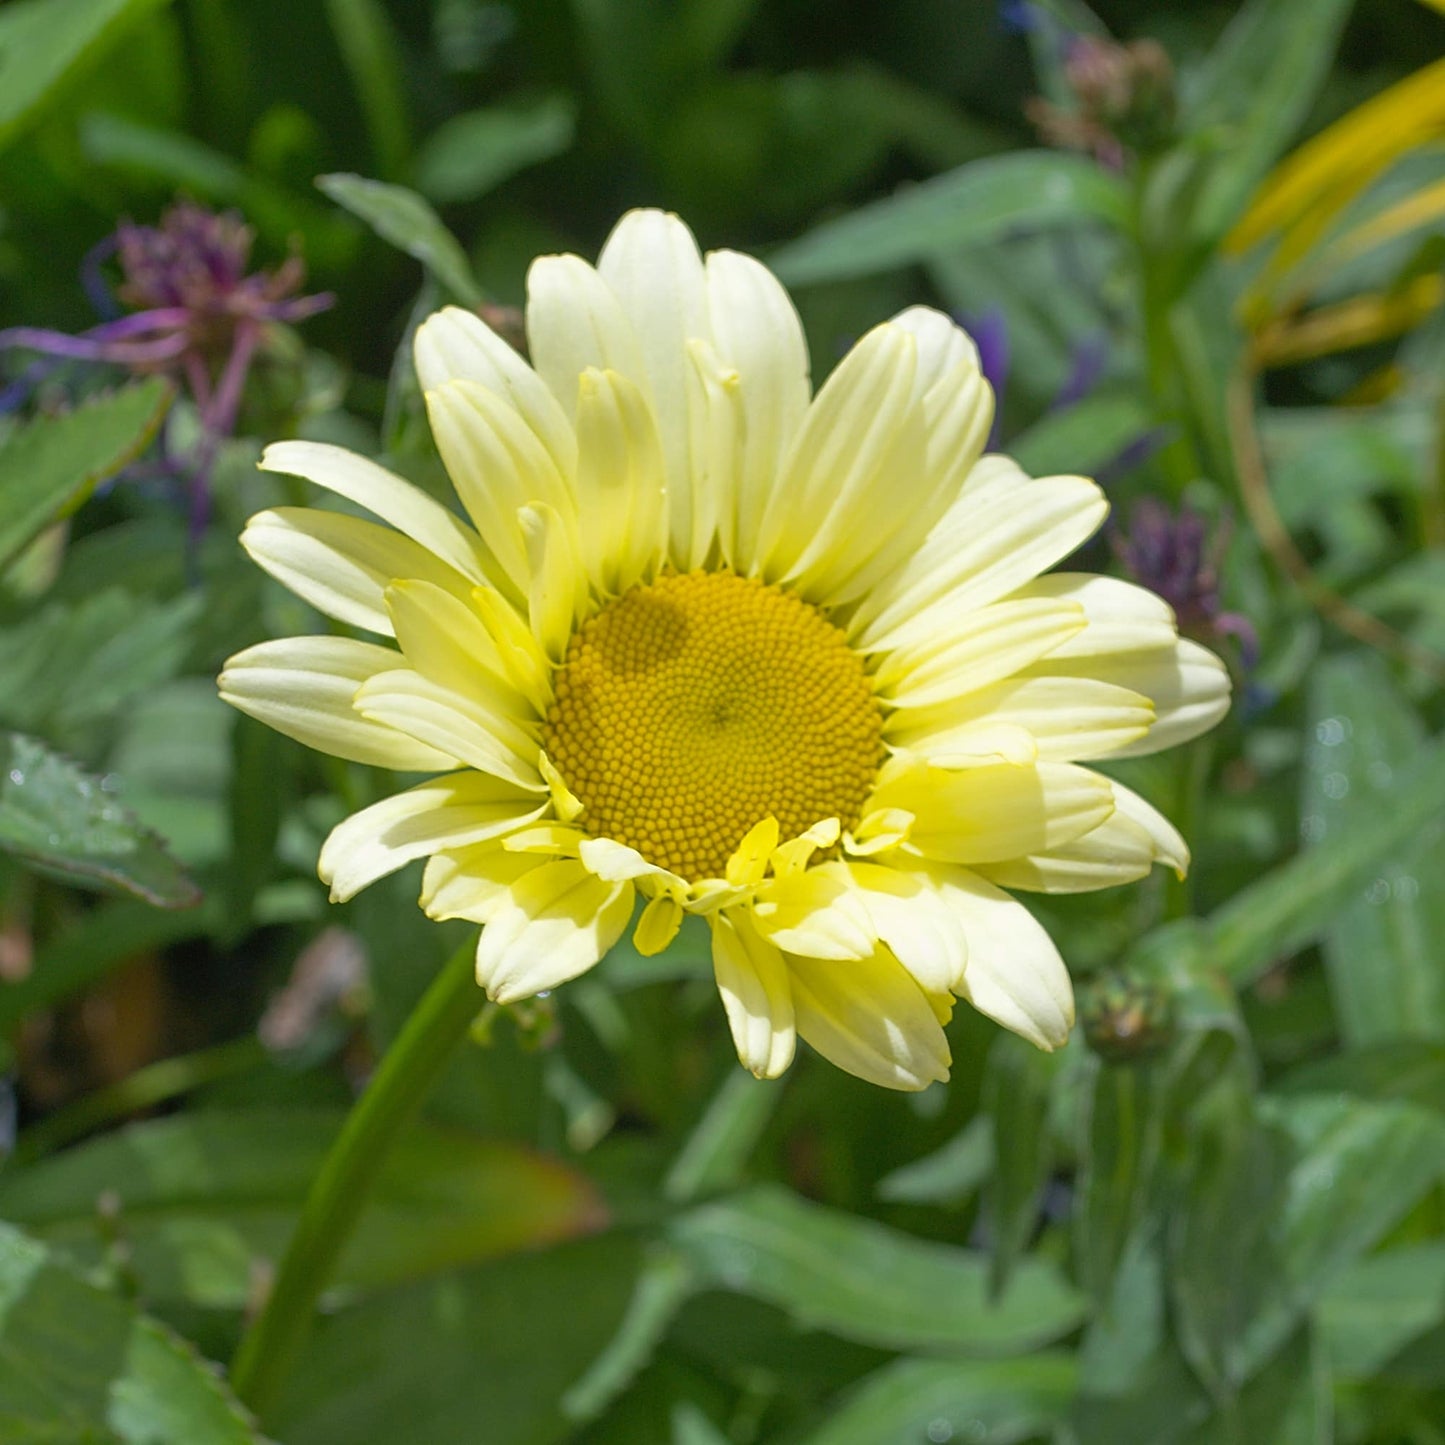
(695, 706)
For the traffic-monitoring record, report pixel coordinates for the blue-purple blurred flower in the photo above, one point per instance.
(1177, 554)
(198, 315)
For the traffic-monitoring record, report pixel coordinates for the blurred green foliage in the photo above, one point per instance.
(603, 1232)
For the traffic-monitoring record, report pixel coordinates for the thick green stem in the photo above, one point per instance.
(402, 1080)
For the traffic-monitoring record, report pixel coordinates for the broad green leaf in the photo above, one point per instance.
(862, 1281)
(1083, 437)
(203, 1195)
(991, 1403)
(974, 205)
(44, 41)
(1016, 1088)
(408, 222)
(51, 465)
(1294, 904)
(474, 152)
(59, 818)
(1255, 91)
(951, 1175)
(1377, 1306)
(1382, 949)
(79, 1365)
(1409, 1069)
(485, 1355)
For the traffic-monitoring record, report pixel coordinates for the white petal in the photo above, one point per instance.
(575, 323)
(756, 332)
(997, 536)
(443, 639)
(558, 587)
(1169, 846)
(652, 264)
(621, 501)
(756, 994)
(1015, 974)
(455, 345)
(472, 729)
(997, 811)
(473, 882)
(449, 812)
(1121, 616)
(304, 686)
(1071, 718)
(988, 645)
(908, 915)
(342, 565)
(869, 1017)
(1188, 685)
(555, 922)
(406, 507)
(498, 465)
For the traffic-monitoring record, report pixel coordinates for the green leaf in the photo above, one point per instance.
(80, 1366)
(1256, 90)
(1083, 437)
(951, 1175)
(63, 820)
(408, 222)
(1382, 947)
(1409, 1069)
(974, 205)
(474, 152)
(1379, 1305)
(991, 1403)
(370, 49)
(715, 1155)
(1017, 1083)
(52, 465)
(862, 1281)
(486, 1355)
(200, 1196)
(1294, 904)
(44, 41)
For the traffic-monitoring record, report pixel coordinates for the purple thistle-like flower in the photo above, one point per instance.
(198, 315)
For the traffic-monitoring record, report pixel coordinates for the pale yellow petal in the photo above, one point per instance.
(304, 686)
(651, 262)
(1121, 616)
(997, 536)
(993, 812)
(870, 1018)
(450, 812)
(989, 644)
(658, 924)
(617, 863)
(472, 729)
(756, 333)
(756, 994)
(907, 914)
(342, 565)
(1188, 685)
(555, 922)
(472, 883)
(1070, 718)
(455, 345)
(557, 591)
(521, 653)
(621, 503)
(816, 912)
(406, 507)
(1014, 974)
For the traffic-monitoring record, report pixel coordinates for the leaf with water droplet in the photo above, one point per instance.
(54, 817)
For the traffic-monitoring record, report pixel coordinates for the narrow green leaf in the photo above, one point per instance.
(473, 153)
(369, 48)
(202, 1195)
(951, 1175)
(408, 222)
(42, 42)
(1408, 1069)
(990, 1403)
(1377, 1306)
(976, 204)
(715, 1155)
(862, 1281)
(1083, 437)
(1016, 1087)
(52, 465)
(1382, 947)
(1256, 90)
(80, 1366)
(57, 817)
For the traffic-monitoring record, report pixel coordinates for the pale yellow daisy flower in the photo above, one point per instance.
(712, 643)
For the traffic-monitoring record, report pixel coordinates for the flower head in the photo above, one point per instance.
(716, 645)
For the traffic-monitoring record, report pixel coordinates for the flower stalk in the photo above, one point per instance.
(343, 1185)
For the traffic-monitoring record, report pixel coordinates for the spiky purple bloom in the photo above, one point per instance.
(199, 315)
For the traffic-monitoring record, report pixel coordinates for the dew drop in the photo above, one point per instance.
(1335, 785)
(1332, 731)
(17, 777)
(1378, 892)
(1407, 888)
(1380, 773)
(939, 1432)
(1312, 827)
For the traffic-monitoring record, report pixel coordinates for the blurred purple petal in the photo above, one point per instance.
(1090, 361)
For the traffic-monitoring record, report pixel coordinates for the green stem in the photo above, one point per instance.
(338, 1195)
